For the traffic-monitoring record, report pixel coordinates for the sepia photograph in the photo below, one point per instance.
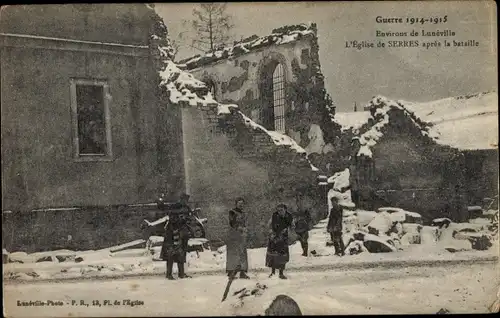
(249, 158)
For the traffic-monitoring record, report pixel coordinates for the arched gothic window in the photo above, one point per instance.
(279, 98)
(273, 99)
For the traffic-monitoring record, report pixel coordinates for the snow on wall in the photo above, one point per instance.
(251, 43)
(344, 199)
(221, 72)
(340, 180)
(382, 106)
(278, 138)
(183, 87)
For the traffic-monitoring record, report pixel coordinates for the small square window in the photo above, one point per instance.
(91, 120)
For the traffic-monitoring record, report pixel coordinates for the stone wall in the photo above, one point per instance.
(410, 171)
(241, 80)
(481, 175)
(225, 159)
(78, 229)
(39, 169)
(99, 22)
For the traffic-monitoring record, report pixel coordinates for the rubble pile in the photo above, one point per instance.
(392, 229)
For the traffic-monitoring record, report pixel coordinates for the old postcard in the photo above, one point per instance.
(220, 159)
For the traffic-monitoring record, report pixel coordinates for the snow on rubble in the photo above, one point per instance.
(277, 137)
(184, 87)
(381, 106)
(369, 236)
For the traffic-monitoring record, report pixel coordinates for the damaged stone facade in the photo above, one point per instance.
(393, 161)
(243, 75)
(232, 150)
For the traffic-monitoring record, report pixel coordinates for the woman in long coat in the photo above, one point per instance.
(277, 248)
(237, 258)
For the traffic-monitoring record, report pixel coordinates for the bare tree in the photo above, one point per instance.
(211, 24)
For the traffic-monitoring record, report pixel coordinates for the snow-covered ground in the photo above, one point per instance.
(435, 245)
(418, 290)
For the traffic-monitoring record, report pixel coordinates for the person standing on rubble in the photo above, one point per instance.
(237, 258)
(334, 226)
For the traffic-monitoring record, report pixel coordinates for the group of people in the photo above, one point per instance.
(281, 223)
(177, 234)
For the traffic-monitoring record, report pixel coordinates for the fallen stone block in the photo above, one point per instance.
(374, 244)
(154, 241)
(454, 245)
(156, 253)
(441, 222)
(412, 228)
(365, 217)
(66, 258)
(411, 238)
(401, 215)
(429, 234)
(468, 227)
(481, 243)
(355, 247)
(381, 224)
(130, 245)
(478, 241)
(78, 259)
(21, 257)
(474, 211)
(137, 252)
(44, 259)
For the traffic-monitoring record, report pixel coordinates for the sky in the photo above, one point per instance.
(351, 75)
